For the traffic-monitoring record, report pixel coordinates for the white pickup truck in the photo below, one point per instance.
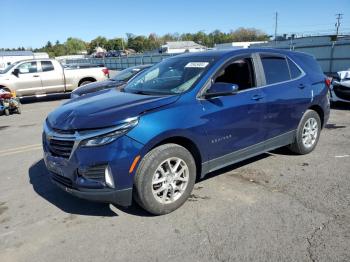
(38, 77)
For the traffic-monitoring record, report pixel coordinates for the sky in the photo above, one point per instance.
(31, 23)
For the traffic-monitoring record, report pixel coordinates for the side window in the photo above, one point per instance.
(239, 72)
(275, 68)
(294, 70)
(28, 67)
(47, 66)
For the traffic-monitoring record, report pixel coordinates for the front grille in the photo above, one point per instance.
(61, 148)
(62, 180)
(95, 173)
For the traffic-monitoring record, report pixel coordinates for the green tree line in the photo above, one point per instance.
(141, 43)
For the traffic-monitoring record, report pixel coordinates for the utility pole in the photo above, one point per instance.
(276, 23)
(337, 24)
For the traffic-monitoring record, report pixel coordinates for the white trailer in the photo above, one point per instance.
(9, 57)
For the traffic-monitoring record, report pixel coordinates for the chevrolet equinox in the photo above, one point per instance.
(181, 119)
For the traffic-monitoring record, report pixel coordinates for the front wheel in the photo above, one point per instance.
(85, 83)
(308, 133)
(164, 179)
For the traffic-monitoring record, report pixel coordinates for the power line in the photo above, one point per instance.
(337, 25)
(276, 23)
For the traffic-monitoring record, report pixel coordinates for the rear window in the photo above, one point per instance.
(275, 68)
(294, 70)
(46, 66)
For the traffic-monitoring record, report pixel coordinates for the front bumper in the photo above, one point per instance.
(340, 93)
(71, 173)
(120, 197)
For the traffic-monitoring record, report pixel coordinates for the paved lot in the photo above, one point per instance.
(275, 207)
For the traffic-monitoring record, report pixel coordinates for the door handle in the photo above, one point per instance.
(35, 75)
(301, 86)
(257, 97)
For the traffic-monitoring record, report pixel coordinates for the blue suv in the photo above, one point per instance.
(181, 119)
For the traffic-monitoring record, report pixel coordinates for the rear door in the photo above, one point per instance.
(52, 77)
(28, 81)
(286, 94)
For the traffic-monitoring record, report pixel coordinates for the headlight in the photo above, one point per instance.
(111, 136)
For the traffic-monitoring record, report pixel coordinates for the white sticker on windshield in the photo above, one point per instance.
(197, 64)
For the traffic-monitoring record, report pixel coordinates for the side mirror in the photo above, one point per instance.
(221, 89)
(15, 72)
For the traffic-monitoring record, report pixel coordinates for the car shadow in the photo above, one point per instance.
(233, 167)
(42, 185)
(46, 98)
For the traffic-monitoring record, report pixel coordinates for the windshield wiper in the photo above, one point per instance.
(140, 92)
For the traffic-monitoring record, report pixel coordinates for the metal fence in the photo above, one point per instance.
(120, 63)
(332, 56)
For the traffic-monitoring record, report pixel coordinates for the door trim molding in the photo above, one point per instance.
(248, 152)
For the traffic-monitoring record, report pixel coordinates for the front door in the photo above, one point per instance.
(234, 123)
(28, 81)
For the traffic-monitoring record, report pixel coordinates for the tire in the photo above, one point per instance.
(300, 145)
(177, 189)
(85, 83)
(19, 110)
(7, 112)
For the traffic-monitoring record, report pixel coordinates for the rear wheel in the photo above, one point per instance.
(308, 133)
(165, 179)
(7, 112)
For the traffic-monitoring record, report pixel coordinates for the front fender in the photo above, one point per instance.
(172, 122)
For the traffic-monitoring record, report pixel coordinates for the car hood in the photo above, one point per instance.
(96, 86)
(104, 109)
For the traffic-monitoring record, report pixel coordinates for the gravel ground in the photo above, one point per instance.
(274, 207)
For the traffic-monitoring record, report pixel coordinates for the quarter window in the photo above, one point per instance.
(47, 66)
(294, 70)
(28, 67)
(275, 68)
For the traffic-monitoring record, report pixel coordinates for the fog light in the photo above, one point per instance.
(109, 177)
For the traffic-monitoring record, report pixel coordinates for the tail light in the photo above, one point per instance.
(328, 82)
(105, 71)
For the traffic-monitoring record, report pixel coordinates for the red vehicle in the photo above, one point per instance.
(9, 103)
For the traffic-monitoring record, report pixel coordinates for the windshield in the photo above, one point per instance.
(171, 76)
(8, 68)
(126, 74)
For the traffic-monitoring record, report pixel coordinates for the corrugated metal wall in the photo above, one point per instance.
(119, 63)
(333, 57)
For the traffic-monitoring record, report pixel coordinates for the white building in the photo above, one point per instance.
(181, 47)
(237, 45)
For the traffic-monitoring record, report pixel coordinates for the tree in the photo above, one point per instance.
(48, 45)
(142, 43)
(114, 44)
(74, 45)
(98, 41)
